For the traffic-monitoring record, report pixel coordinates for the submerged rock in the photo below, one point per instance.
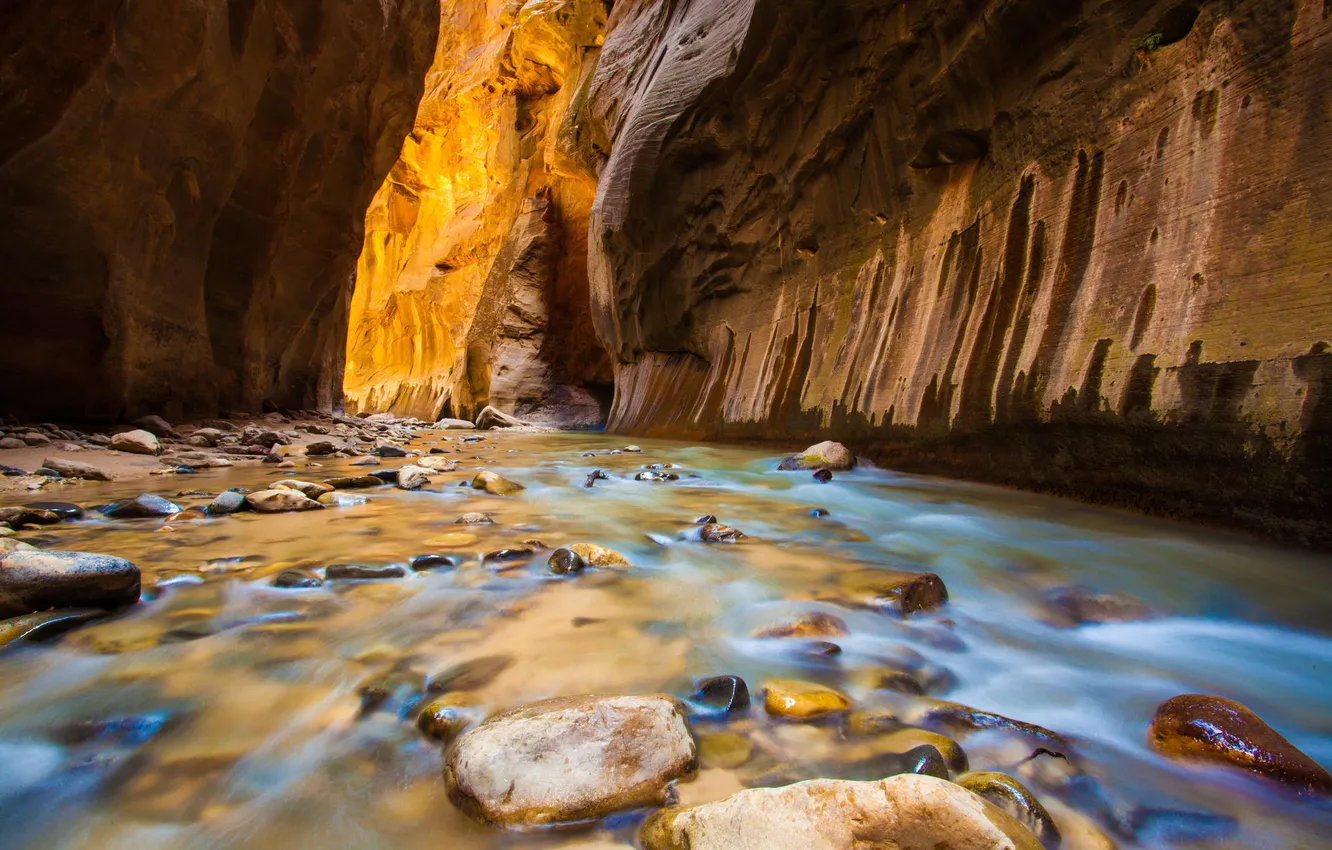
(906, 812)
(141, 507)
(812, 625)
(802, 700)
(63, 510)
(897, 591)
(136, 442)
(655, 475)
(1014, 798)
(297, 579)
(470, 675)
(305, 488)
(19, 517)
(45, 624)
(358, 483)
(281, 501)
(75, 469)
(336, 572)
(715, 532)
(1222, 731)
(421, 563)
(474, 518)
(726, 694)
(495, 485)
(594, 476)
(823, 475)
(447, 717)
(826, 455)
(35, 580)
(565, 562)
(570, 759)
(1077, 605)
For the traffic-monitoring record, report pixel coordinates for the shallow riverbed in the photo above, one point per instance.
(224, 712)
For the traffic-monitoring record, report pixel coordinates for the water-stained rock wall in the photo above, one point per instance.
(1080, 246)
(472, 285)
(182, 186)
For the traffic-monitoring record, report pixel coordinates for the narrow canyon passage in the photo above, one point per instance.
(396, 444)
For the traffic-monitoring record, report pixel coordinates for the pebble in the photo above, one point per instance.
(895, 591)
(447, 717)
(422, 563)
(565, 562)
(228, 502)
(714, 532)
(293, 579)
(726, 694)
(1014, 798)
(823, 475)
(598, 556)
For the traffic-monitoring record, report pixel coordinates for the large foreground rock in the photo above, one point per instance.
(35, 580)
(907, 812)
(1222, 731)
(570, 759)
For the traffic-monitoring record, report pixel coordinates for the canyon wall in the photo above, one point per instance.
(182, 191)
(1081, 246)
(472, 285)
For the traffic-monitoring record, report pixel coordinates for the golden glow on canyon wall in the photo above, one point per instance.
(479, 232)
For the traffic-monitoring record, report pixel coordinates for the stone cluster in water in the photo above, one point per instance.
(574, 759)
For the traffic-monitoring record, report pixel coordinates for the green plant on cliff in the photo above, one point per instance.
(1149, 43)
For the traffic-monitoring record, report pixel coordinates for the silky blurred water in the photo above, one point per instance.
(223, 712)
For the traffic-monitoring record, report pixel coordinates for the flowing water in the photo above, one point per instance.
(224, 712)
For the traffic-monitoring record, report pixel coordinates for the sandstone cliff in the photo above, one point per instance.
(472, 286)
(1081, 246)
(182, 186)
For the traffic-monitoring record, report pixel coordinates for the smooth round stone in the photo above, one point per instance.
(141, 507)
(565, 562)
(495, 484)
(1221, 731)
(474, 518)
(598, 556)
(894, 591)
(44, 625)
(797, 700)
(227, 503)
(827, 455)
(447, 717)
(726, 693)
(36, 580)
(422, 563)
(1015, 798)
(823, 476)
(505, 556)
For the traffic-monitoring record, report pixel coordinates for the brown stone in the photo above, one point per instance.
(1222, 731)
(897, 591)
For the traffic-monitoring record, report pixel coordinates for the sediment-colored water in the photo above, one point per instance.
(225, 712)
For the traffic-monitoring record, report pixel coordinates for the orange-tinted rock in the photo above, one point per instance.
(898, 591)
(1209, 728)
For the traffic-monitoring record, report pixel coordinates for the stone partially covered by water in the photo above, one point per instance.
(141, 507)
(1222, 731)
(495, 484)
(281, 501)
(895, 591)
(569, 759)
(909, 812)
(826, 455)
(1017, 800)
(796, 700)
(34, 580)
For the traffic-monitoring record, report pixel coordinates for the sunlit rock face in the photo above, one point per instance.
(472, 286)
(182, 190)
(1079, 246)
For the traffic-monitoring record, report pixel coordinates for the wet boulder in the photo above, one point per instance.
(43, 625)
(281, 502)
(495, 485)
(360, 482)
(136, 442)
(448, 716)
(345, 572)
(715, 532)
(19, 517)
(907, 812)
(570, 759)
(1014, 798)
(320, 448)
(422, 563)
(307, 489)
(474, 518)
(64, 510)
(724, 694)
(296, 580)
(35, 580)
(598, 556)
(437, 463)
(896, 591)
(564, 562)
(75, 469)
(826, 455)
(1221, 731)
(815, 624)
(470, 675)
(141, 507)
(1077, 605)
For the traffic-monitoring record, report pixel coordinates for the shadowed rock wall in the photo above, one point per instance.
(472, 285)
(1081, 246)
(182, 190)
